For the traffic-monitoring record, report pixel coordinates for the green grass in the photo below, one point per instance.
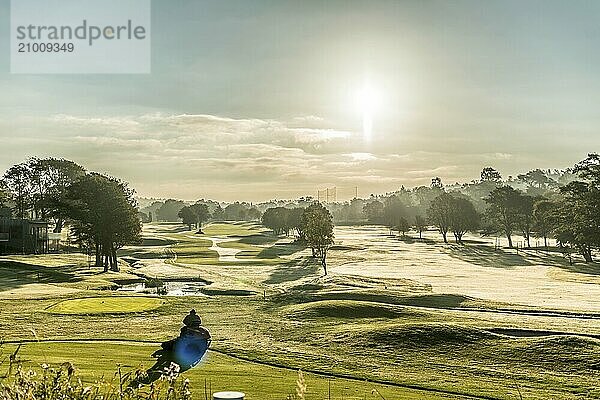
(343, 310)
(106, 305)
(233, 229)
(221, 372)
(367, 323)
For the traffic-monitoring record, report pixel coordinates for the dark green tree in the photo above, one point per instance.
(578, 214)
(440, 213)
(188, 216)
(544, 218)
(403, 226)
(317, 225)
(104, 216)
(169, 210)
(393, 211)
(201, 213)
(276, 219)
(17, 181)
(489, 174)
(463, 217)
(504, 210)
(373, 211)
(52, 177)
(420, 225)
(525, 218)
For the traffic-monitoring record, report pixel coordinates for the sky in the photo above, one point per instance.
(254, 100)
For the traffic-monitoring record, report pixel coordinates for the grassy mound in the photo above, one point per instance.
(228, 292)
(344, 309)
(97, 362)
(106, 305)
(151, 241)
(426, 335)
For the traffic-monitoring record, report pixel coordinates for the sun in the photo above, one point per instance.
(368, 101)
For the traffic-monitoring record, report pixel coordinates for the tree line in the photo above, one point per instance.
(567, 213)
(558, 204)
(101, 210)
(169, 211)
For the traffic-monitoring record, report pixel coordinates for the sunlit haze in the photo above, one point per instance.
(260, 100)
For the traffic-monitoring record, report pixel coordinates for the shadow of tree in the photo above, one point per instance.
(256, 239)
(293, 270)
(485, 256)
(15, 274)
(280, 249)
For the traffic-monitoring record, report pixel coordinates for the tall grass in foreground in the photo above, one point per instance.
(62, 383)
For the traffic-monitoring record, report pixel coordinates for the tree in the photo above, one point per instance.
(201, 213)
(489, 174)
(253, 214)
(525, 214)
(17, 181)
(284, 220)
(54, 176)
(237, 212)
(544, 218)
(4, 199)
(403, 226)
(218, 213)
(537, 181)
(169, 210)
(294, 220)
(317, 225)
(420, 225)
(188, 216)
(393, 211)
(463, 217)
(578, 219)
(37, 184)
(504, 208)
(440, 213)
(276, 218)
(436, 183)
(104, 216)
(373, 211)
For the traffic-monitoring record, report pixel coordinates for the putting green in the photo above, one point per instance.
(106, 305)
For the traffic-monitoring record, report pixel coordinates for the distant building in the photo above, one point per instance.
(22, 236)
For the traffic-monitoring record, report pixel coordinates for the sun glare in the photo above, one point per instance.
(367, 101)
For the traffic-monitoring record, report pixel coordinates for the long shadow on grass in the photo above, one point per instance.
(485, 256)
(256, 239)
(16, 274)
(293, 270)
(281, 249)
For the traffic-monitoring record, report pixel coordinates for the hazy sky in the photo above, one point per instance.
(261, 99)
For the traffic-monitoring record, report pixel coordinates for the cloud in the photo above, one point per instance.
(192, 156)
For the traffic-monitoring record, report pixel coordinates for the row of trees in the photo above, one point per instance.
(569, 213)
(35, 186)
(194, 215)
(312, 225)
(168, 211)
(101, 210)
(284, 220)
